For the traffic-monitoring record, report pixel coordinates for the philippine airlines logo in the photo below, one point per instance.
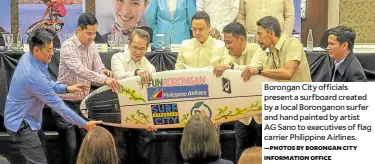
(158, 94)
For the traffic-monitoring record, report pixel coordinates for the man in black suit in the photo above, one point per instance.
(347, 68)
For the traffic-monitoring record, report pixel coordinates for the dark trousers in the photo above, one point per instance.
(247, 136)
(31, 143)
(133, 146)
(70, 136)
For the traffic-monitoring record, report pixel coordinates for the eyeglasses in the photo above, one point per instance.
(135, 48)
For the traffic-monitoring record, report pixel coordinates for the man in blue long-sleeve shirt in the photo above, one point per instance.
(32, 87)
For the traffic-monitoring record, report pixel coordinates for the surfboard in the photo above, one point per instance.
(173, 96)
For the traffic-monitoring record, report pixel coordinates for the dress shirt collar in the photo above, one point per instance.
(37, 62)
(279, 43)
(341, 65)
(129, 59)
(205, 44)
(77, 41)
(244, 52)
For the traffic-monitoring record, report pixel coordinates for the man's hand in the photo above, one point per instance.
(107, 73)
(77, 88)
(219, 69)
(91, 124)
(113, 84)
(215, 34)
(145, 75)
(151, 128)
(248, 72)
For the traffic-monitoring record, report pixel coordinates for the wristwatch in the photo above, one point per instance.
(260, 70)
(231, 65)
(135, 72)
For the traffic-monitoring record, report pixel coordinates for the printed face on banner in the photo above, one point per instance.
(128, 13)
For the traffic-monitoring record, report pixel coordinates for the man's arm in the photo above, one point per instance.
(118, 69)
(150, 67)
(241, 16)
(233, 12)
(42, 89)
(358, 75)
(257, 60)
(285, 73)
(225, 57)
(288, 17)
(58, 88)
(180, 62)
(71, 59)
(98, 63)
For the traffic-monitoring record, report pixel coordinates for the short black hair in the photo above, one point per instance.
(39, 38)
(201, 15)
(270, 23)
(236, 29)
(87, 19)
(344, 34)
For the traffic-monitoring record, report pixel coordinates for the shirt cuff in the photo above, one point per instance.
(61, 88)
(81, 122)
(102, 78)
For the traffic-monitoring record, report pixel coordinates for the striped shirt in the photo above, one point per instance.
(79, 64)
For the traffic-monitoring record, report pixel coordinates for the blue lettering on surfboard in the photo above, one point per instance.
(165, 114)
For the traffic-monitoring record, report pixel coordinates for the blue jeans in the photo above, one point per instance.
(247, 136)
(31, 143)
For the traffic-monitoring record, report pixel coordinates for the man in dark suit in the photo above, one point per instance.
(347, 68)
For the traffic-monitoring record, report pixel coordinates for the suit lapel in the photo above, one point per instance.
(340, 72)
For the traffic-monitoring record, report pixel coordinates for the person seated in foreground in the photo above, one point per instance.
(200, 143)
(98, 147)
(251, 156)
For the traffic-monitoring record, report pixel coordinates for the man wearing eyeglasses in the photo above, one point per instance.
(133, 62)
(202, 50)
(127, 64)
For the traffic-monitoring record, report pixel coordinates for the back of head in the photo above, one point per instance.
(344, 34)
(251, 156)
(98, 147)
(39, 38)
(199, 141)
